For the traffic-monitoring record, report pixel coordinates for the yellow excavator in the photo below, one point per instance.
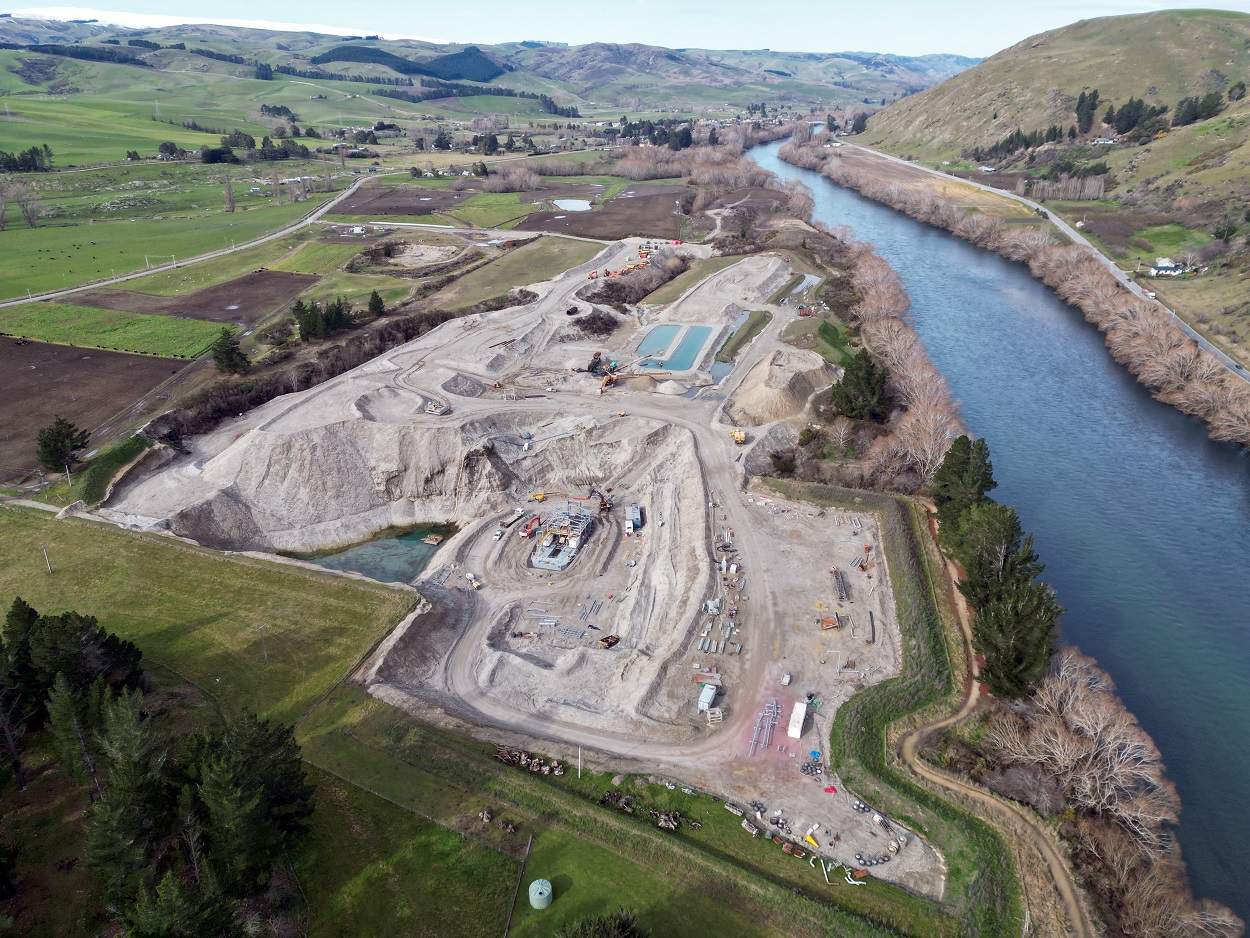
(543, 496)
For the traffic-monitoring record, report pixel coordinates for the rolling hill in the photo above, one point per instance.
(1158, 57)
(615, 77)
(1170, 190)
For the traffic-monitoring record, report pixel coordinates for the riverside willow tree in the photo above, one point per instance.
(1014, 613)
(861, 393)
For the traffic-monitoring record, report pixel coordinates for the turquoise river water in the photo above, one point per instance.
(1143, 522)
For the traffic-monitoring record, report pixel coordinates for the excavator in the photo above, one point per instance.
(543, 496)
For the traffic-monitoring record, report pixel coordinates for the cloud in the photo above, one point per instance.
(155, 21)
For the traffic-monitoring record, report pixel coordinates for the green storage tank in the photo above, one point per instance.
(540, 894)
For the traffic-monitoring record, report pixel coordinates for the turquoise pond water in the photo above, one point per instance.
(396, 559)
(687, 351)
(573, 205)
(658, 340)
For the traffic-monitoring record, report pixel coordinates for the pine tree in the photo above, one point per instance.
(57, 443)
(376, 306)
(227, 355)
(178, 911)
(66, 727)
(18, 624)
(272, 766)
(241, 848)
(1014, 631)
(861, 393)
(963, 479)
(116, 855)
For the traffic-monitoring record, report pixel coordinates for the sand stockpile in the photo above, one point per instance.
(779, 387)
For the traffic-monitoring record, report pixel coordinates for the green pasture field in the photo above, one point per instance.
(379, 747)
(88, 327)
(187, 278)
(492, 209)
(197, 612)
(54, 258)
(371, 868)
(541, 259)
(317, 257)
(357, 287)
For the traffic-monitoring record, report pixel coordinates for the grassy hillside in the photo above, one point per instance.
(1159, 57)
(1169, 191)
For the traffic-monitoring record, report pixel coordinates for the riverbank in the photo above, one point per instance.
(1144, 337)
(1103, 476)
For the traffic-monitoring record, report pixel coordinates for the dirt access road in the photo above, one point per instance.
(1069, 893)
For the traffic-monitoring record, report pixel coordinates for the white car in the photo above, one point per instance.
(499, 534)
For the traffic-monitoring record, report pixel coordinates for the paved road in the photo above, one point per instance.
(1077, 238)
(307, 220)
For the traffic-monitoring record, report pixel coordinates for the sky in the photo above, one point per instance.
(904, 27)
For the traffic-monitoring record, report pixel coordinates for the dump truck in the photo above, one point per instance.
(738, 436)
(608, 641)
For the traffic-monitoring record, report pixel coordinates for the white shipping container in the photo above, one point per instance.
(796, 720)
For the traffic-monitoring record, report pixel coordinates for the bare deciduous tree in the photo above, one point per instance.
(27, 202)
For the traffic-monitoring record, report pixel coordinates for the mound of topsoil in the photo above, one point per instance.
(780, 386)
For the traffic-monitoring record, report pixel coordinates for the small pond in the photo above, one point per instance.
(572, 205)
(394, 556)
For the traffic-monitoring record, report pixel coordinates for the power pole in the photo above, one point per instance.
(46, 559)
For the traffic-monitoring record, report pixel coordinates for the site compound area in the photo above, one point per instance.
(618, 580)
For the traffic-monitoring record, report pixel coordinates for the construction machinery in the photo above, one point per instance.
(612, 377)
(437, 408)
(593, 275)
(543, 496)
(608, 641)
(529, 529)
(738, 436)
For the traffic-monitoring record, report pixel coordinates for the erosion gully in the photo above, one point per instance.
(1143, 522)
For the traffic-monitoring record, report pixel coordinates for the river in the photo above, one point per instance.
(1142, 521)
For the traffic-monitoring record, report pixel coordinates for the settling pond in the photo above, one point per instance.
(659, 340)
(389, 558)
(1143, 522)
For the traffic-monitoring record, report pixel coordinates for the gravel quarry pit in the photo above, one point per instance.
(520, 657)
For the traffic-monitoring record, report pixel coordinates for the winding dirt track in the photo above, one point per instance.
(1079, 924)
